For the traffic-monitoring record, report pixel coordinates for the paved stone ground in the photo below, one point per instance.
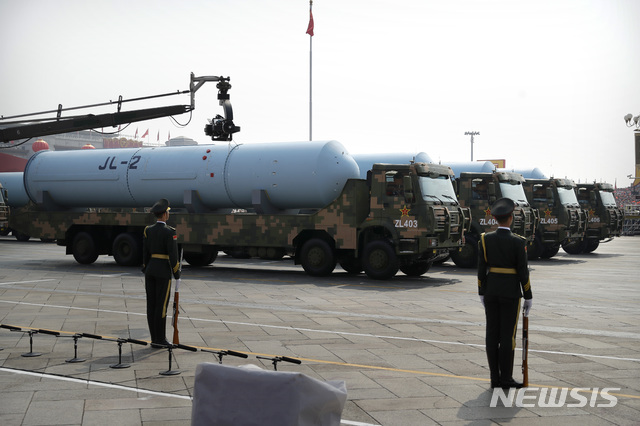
(410, 349)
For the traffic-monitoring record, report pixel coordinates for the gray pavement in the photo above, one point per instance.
(410, 349)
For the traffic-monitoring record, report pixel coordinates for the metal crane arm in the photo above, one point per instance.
(220, 128)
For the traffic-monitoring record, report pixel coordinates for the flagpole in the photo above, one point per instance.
(310, 70)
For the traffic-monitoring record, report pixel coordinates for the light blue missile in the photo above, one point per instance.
(366, 161)
(471, 167)
(14, 184)
(293, 175)
(534, 173)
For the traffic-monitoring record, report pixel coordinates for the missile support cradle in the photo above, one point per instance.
(366, 227)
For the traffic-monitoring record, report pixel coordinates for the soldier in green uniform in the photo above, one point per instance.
(503, 278)
(159, 261)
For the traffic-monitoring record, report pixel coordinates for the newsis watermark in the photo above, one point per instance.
(554, 397)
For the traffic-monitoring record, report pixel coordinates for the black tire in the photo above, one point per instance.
(550, 250)
(238, 253)
(126, 250)
(416, 269)
(84, 248)
(592, 245)
(20, 236)
(200, 259)
(273, 253)
(351, 264)
(441, 261)
(317, 258)
(467, 256)
(379, 260)
(574, 247)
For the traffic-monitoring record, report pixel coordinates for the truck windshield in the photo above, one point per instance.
(608, 199)
(439, 188)
(513, 191)
(567, 196)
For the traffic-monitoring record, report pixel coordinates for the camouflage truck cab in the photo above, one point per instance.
(604, 218)
(562, 221)
(416, 207)
(478, 191)
(4, 212)
(403, 217)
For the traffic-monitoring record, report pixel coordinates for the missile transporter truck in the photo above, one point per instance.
(303, 199)
(604, 218)
(478, 191)
(562, 221)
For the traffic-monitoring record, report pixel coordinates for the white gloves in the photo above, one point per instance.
(527, 306)
(482, 300)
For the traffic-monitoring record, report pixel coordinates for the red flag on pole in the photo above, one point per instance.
(145, 134)
(310, 26)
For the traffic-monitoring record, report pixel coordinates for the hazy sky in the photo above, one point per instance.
(545, 82)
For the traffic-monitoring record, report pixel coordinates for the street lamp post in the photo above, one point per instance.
(632, 121)
(472, 134)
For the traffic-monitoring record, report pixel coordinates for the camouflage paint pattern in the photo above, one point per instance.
(603, 221)
(559, 223)
(419, 229)
(478, 191)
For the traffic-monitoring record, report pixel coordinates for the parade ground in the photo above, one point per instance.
(410, 350)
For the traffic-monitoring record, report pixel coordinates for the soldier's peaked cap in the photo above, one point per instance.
(503, 207)
(161, 206)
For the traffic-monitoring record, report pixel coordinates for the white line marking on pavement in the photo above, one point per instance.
(108, 275)
(125, 388)
(550, 329)
(91, 382)
(27, 282)
(342, 333)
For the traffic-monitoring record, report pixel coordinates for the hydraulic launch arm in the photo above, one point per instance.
(220, 128)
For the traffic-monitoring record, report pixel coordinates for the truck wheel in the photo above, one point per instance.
(550, 250)
(351, 265)
(200, 259)
(272, 253)
(574, 247)
(592, 244)
(416, 269)
(84, 248)
(126, 250)
(379, 260)
(317, 258)
(467, 256)
(20, 236)
(238, 253)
